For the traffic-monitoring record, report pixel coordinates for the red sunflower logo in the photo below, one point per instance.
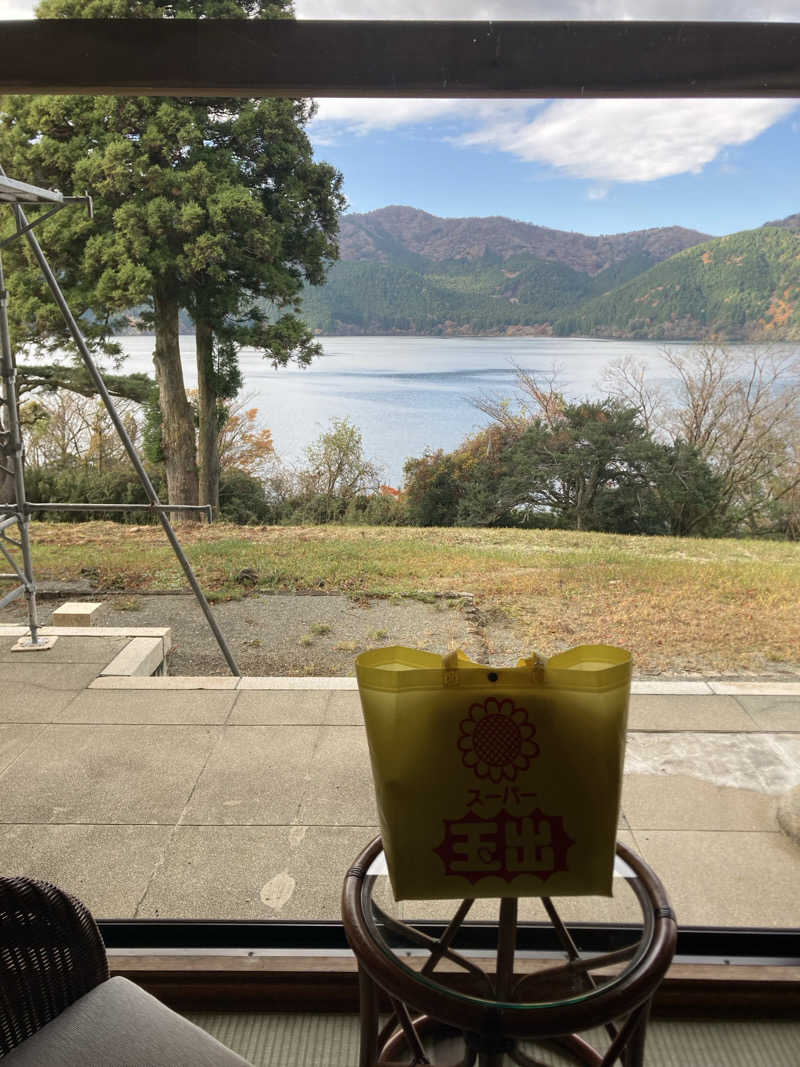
(496, 740)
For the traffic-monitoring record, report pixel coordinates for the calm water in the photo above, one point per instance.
(404, 393)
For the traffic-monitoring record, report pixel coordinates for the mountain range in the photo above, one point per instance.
(404, 271)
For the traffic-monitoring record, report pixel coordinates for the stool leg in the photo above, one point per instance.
(506, 944)
(627, 1047)
(504, 976)
(368, 1012)
(634, 1053)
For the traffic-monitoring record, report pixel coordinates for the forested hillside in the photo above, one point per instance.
(449, 297)
(405, 234)
(744, 286)
(404, 271)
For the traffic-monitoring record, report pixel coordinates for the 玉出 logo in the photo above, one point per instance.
(504, 833)
(504, 846)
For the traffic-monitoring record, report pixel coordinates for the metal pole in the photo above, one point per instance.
(13, 451)
(205, 508)
(77, 337)
(9, 598)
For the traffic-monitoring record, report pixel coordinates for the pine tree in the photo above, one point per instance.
(216, 206)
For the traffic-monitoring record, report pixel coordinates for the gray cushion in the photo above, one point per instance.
(117, 1024)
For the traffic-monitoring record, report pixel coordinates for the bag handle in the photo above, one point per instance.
(536, 661)
(452, 661)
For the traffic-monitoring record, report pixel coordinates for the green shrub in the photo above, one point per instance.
(242, 499)
(77, 483)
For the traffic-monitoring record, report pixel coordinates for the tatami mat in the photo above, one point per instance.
(332, 1041)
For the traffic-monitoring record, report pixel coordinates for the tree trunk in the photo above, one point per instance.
(177, 418)
(207, 438)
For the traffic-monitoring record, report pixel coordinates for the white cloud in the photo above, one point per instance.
(16, 9)
(630, 140)
(683, 10)
(602, 140)
(361, 116)
(689, 10)
(606, 141)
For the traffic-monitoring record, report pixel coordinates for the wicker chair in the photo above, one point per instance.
(58, 1004)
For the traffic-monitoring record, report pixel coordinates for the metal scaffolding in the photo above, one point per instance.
(16, 550)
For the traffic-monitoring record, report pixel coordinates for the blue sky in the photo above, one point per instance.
(434, 165)
(595, 166)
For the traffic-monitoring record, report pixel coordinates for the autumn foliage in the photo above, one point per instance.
(243, 444)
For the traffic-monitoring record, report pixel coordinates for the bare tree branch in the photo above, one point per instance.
(740, 408)
(626, 379)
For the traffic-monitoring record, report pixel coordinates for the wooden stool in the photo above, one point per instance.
(435, 988)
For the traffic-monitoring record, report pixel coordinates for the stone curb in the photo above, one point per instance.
(133, 679)
(145, 652)
(293, 682)
(142, 656)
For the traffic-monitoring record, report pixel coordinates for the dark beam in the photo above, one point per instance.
(391, 59)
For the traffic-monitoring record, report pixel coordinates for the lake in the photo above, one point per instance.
(404, 393)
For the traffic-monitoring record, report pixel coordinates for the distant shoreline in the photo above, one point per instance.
(521, 336)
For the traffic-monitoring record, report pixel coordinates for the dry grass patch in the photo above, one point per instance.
(680, 605)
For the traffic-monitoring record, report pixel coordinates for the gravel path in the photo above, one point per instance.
(299, 635)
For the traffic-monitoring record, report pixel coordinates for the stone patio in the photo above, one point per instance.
(248, 798)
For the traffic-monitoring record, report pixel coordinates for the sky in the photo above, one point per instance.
(592, 166)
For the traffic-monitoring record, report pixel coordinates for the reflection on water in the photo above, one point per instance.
(404, 393)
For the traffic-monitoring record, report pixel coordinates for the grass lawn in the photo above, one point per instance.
(680, 605)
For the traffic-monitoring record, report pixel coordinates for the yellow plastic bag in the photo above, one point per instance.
(497, 782)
